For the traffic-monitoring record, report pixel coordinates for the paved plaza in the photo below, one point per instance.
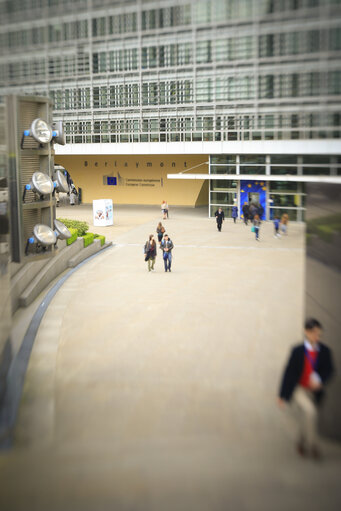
(157, 391)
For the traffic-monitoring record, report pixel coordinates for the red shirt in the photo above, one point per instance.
(308, 367)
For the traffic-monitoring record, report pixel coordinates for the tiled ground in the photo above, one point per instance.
(157, 391)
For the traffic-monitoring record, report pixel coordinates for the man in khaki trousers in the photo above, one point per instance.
(308, 370)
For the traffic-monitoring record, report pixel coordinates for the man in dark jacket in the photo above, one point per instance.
(309, 368)
(245, 209)
(167, 247)
(220, 217)
(260, 211)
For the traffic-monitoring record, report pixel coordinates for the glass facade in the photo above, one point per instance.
(281, 196)
(198, 70)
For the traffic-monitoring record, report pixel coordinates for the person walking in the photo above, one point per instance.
(164, 209)
(260, 210)
(245, 209)
(284, 223)
(73, 195)
(252, 211)
(276, 227)
(220, 217)
(234, 213)
(150, 252)
(309, 369)
(160, 232)
(256, 226)
(167, 247)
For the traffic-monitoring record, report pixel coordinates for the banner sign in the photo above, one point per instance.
(103, 212)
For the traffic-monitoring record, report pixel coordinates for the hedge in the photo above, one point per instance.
(88, 238)
(81, 227)
(74, 236)
(101, 238)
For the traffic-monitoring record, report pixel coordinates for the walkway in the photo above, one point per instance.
(157, 391)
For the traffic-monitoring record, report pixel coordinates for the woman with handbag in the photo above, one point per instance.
(256, 226)
(160, 232)
(150, 252)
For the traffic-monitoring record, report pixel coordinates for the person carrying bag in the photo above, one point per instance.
(167, 247)
(150, 252)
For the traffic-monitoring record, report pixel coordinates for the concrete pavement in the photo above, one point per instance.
(157, 391)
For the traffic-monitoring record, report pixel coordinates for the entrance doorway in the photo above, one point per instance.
(254, 197)
(254, 192)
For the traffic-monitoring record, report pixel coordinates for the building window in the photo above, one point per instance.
(202, 11)
(203, 52)
(334, 82)
(99, 27)
(283, 186)
(335, 39)
(223, 169)
(204, 90)
(283, 171)
(266, 86)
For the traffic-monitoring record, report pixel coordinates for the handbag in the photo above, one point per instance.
(253, 228)
(147, 256)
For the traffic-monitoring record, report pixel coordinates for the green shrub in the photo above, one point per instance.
(81, 227)
(88, 239)
(101, 238)
(74, 236)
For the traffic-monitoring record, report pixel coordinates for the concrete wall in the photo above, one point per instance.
(5, 322)
(141, 179)
(323, 291)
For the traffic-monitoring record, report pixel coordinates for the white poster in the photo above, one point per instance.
(103, 212)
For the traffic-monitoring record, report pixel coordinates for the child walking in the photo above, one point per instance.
(276, 227)
(256, 225)
(284, 223)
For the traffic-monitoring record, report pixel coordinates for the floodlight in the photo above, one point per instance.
(41, 131)
(61, 231)
(40, 183)
(43, 236)
(60, 182)
(58, 132)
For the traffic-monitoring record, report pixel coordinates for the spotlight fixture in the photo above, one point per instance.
(58, 132)
(61, 231)
(60, 182)
(40, 183)
(43, 236)
(43, 133)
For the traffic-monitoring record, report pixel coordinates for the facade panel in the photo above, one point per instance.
(164, 71)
